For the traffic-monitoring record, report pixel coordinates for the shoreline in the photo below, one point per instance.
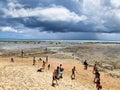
(105, 55)
(61, 41)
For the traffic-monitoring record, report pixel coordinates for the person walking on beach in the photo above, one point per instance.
(98, 85)
(94, 68)
(57, 72)
(12, 60)
(43, 65)
(34, 61)
(97, 75)
(46, 59)
(22, 53)
(54, 78)
(85, 65)
(48, 66)
(61, 71)
(40, 59)
(73, 73)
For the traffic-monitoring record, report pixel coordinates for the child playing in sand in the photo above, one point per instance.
(12, 60)
(54, 78)
(73, 73)
(85, 65)
(61, 71)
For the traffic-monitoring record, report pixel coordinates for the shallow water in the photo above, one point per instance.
(12, 46)
(55, 48)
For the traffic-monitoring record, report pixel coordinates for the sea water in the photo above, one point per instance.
(13, 46)
(69, 41)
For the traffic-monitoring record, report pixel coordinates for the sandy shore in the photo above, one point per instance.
(22, 75)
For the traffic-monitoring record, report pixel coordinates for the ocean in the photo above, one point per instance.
(71, 41)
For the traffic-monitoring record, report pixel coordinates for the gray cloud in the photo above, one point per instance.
(88, 18)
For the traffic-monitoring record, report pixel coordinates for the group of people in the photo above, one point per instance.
(44, 63)
(96, 73)
(40, 59)
(58, 72)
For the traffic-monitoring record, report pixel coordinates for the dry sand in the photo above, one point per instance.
(22, 75)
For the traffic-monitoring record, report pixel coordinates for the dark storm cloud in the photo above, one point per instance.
(83, 17)
(56, 26)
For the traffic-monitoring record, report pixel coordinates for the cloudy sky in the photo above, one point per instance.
(60, 19)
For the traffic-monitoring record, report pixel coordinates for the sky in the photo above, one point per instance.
(60, 19)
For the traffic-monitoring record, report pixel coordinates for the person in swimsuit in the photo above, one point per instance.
(54, 78)
(85, 65)
(12, 60)
(73, 73)
(94, 68)
(46, 59)
(97, 75)
(22, 53)
(57, 72)
(34, 61)
(61, 71)
(98, 85)
(43, 65)
(40, 59)
(48, 66)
